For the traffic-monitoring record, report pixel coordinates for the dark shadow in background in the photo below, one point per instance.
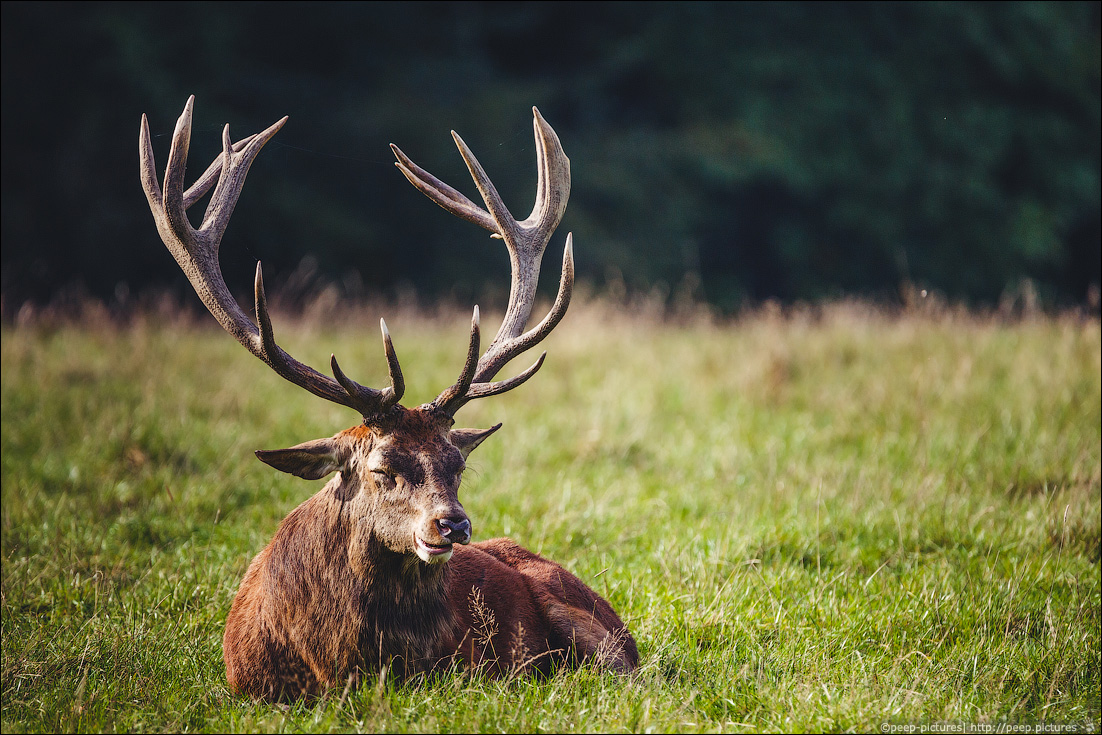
(791, 151)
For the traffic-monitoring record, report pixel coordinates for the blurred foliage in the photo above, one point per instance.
(726, 151)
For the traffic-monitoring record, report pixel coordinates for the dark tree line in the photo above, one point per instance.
(742, 150)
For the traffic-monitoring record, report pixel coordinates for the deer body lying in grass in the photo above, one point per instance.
(377, 569)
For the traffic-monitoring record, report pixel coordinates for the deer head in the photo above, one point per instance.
(400, 469)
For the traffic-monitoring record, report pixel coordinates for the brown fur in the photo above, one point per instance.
(341, 589)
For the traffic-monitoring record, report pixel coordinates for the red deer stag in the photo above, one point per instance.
(377, 569)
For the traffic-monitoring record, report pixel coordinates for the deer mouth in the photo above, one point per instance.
(432, 553)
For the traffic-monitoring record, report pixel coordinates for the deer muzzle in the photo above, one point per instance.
(457, 531)
(434, 545)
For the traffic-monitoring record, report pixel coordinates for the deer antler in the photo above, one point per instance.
(196, 251)
(526, 240)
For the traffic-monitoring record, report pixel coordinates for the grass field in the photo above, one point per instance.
(830, 519)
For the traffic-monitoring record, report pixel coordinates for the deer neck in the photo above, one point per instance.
(404, 610)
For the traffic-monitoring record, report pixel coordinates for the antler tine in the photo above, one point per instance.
(397, 381)
(553, 184)
(482, 390)
(455, 396)
(378, 400)
(210, 177)
(525, 240)
(444, 195)
(507, 227)
(196, 252)
(235, 166)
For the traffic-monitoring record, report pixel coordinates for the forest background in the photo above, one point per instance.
(727, 153)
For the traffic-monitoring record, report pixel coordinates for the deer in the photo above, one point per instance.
(377, 571)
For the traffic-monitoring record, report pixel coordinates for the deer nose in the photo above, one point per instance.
(456, 530)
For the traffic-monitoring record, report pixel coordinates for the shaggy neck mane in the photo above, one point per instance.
(404, 611)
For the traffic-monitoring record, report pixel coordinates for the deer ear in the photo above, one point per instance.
(465, 440)
(310, 460)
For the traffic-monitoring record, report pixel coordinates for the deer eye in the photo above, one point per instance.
(384, 478)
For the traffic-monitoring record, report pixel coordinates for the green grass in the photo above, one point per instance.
(815, 521)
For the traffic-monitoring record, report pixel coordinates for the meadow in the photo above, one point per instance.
(817, 519)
